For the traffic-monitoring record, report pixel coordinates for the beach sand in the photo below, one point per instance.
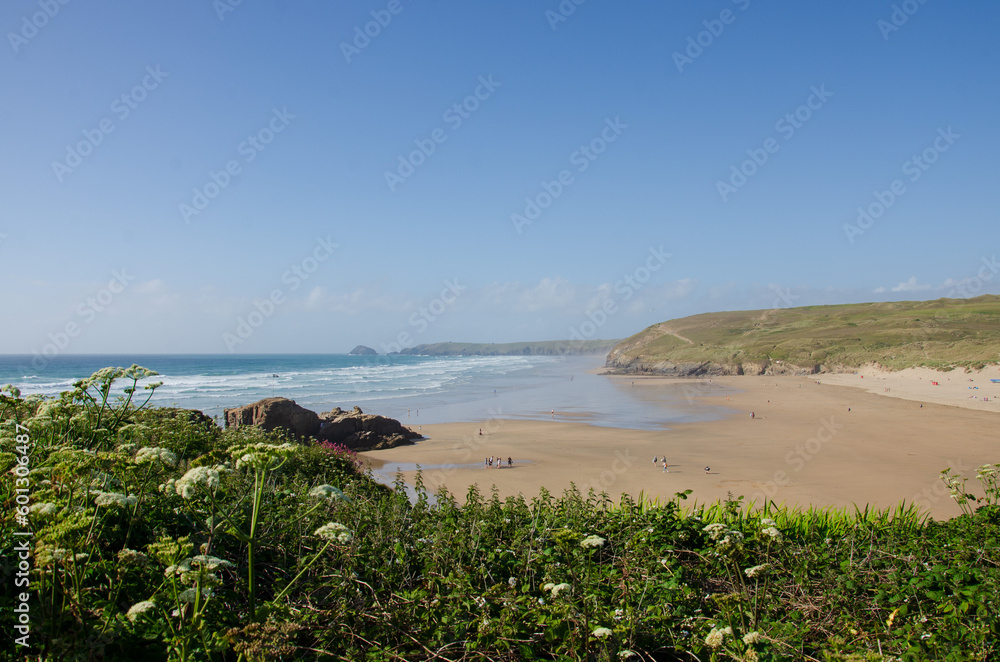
(809, 443)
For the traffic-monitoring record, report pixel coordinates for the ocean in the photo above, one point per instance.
(413, 389)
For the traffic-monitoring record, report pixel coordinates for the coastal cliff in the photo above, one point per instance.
(942, 334)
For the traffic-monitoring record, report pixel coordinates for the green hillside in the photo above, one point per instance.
(941, 334)
(545, 347)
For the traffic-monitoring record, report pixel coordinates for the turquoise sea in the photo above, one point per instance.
(413, 389)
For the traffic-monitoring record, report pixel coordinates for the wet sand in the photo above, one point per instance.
(808, 443)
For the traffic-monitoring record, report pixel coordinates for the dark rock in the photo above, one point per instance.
(363, 432)
(275, 413)
(362, 350)
(355, 429)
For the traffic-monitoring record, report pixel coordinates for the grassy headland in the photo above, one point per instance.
(941, 334)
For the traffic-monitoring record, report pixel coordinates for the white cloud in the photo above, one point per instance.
(911, 286)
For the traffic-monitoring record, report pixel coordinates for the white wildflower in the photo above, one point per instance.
(211, 562)
(139, 608)
(757, 570)
(592, 541)
(751, 638)
(327, 492)
(560, 588)
(767, 521)
(131, 557)
(731, 538)
(334, 531)
(717, 637)
(202, 477)
(772, 533)
(155, 454)
(114, 499)
(626, 654)
(601, 633)
(715, 531)
(512, 582)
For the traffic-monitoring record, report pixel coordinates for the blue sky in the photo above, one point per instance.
(833, 100)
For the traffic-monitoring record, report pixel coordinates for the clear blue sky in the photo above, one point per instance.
(672, 120)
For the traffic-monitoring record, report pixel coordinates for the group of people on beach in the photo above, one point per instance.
(497, 462)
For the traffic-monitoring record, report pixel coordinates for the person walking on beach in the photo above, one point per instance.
(751, 415)
(656, 459)
(510, 461)
(665, 469)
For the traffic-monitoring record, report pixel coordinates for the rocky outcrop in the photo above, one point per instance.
(639, 366)
(362, 350)
(275, 413)
(363, 432)
(355, 429)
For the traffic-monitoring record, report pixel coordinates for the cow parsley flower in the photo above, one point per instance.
(592, 541)
(131, 557)
(767, 521)
(757, 570)
(155, 454)
(334, 531)
(717, 637)
(601, 633)
(327, 492)
(715, 531)
(138, 609)
(210, 562)
(114, 500)
(560, 588)
(202, 477)
(772, 533)
(751, 638)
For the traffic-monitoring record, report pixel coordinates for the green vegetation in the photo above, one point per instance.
(546, 347)
(159, 536)
(942, 334)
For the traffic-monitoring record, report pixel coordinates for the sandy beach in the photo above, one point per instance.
(822, 440)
